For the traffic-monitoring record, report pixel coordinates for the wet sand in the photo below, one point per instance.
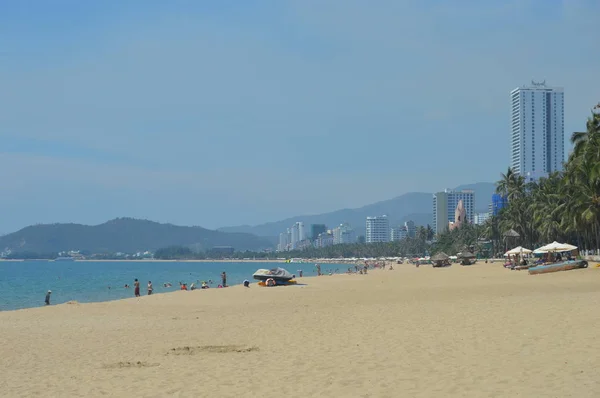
(478, 331)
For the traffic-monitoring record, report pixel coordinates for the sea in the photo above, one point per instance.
(23, 284)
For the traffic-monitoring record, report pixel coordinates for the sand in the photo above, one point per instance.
(478, 331)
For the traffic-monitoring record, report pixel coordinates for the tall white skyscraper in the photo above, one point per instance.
(295, 236)
(538, 130)
(378, 229)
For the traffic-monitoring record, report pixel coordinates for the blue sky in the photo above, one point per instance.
(240, 112)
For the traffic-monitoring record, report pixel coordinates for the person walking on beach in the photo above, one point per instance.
(224, 279)
(136, 286)
(47, 301)
(150, 288)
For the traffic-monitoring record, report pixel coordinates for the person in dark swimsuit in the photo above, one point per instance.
(224, 278)
(136, 285)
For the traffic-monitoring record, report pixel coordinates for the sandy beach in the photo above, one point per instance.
(478, 331)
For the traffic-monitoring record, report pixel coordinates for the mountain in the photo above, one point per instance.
(415, 206)
(126, 235)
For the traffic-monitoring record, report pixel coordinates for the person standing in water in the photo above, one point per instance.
(47, 301)
(136, 285)
(150, 288)
(224, 278)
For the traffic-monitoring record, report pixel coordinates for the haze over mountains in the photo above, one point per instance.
(132, 235)
(416, 206)
(126, 235)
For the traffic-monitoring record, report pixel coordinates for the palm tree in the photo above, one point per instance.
(580, 139)
(506, 181)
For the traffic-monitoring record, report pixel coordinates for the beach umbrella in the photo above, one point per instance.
(569, 247)
(466, 255)
(441, 256)
(555, 247)
(517, 250)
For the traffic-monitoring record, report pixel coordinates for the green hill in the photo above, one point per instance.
(124, 235)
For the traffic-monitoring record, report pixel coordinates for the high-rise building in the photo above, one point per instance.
(324, 239)
(378, 229)
(537, 130)
(398, 233)
(481, 218)
(316, 229)
(444, 207)
(411, 228)
(283, 242)
(301, 232)
(343, 234)
(295, 236)
(498, 202)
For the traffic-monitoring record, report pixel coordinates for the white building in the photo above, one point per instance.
(537, 130)
(444, 204)
(301, 232)
(399, 233)
(284, 241)
(343, 234)
(324, 239)
(378, 229)
(411, 228)
(294, 236)
(481, 218)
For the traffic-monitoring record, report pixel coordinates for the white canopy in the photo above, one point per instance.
(555, 247)
(517, 250)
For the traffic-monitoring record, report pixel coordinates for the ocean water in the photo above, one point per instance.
(23, 284)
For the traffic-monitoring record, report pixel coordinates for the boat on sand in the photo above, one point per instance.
(281, 276)
(562, 266)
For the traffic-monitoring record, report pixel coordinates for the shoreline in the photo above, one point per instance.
(254, 283)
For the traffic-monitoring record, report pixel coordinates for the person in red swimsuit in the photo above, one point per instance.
(136, 285)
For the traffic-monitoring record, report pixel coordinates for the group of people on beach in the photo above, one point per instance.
(182, 285)
(150, 286)
(359, 268)
(362, 269)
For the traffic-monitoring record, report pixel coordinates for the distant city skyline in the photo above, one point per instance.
(219, 114)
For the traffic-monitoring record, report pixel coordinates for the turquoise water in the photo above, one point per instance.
(23, 284)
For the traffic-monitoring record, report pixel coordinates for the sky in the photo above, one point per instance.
(219, 113)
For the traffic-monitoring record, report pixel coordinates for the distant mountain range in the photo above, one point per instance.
(126, 235)
(415, 206)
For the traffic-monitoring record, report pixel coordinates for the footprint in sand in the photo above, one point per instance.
(220, 349)
(138, 364)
